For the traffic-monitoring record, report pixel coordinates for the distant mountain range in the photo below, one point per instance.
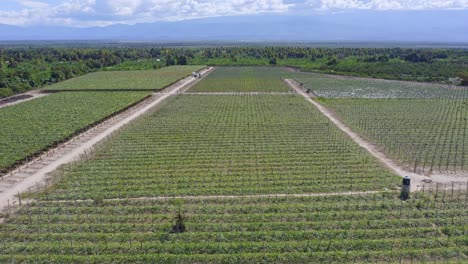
(422, 26)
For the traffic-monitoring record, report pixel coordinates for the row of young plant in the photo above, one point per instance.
(204, 145)
(329, 86)
(430, 227)
(34, 126)
(243, 79)
(149, 80)
(428, 135)
(231, 145)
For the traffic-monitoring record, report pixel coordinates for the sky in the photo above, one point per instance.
(88, 13)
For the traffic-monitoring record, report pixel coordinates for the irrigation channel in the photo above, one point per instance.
(35, 174)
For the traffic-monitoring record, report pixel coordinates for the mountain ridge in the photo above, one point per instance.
(356, 26)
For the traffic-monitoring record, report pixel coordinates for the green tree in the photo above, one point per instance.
(182, 60)
(273, 61)
(464, 78)
(169, 60)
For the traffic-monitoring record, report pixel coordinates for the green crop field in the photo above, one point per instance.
(379, 228)
(329, 86)
(149, 80)
(229, 145)
(425, 134)
(243, 79)
(421, 125)
(33, 126)
(252, 177)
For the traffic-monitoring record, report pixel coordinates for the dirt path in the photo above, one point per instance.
(209, 197)
(29, 96)
(34, 174)
(293, 83)
(238, 93)
(417, 180)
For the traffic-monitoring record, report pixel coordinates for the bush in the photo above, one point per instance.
(464, 78)
(5, 92)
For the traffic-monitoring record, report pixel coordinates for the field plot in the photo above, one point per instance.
(126, 80)
(229, 145)
(377, 228)
(425, 134)
(328, 86)
(254, 178)
(243, 79)
(33, 126)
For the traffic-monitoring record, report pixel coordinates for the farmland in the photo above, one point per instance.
(422, 126)
(243, 79)
(33, 126)
(256, 174)
(329, 86)
(148, 80)
(425, 134)
(336, 229)
(229, 145)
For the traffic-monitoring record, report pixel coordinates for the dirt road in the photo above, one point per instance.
(209, 197)
(35, 173)
(238, 93)
(28, 96)
(417, 179)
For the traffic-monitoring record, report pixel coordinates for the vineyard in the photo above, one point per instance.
(33, 126)
(149, 80)
(380, 228)
(243, 79)
(239, 169)
(425, 134)
(226, 145)
(329, 86)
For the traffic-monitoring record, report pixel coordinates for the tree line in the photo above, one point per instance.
(25, 68)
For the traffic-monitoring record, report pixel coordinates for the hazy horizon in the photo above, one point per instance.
(239, 20)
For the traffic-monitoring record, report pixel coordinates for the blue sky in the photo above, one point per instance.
(84, 13)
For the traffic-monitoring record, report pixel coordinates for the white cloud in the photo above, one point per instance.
(388, 4)
(106, 12)
(32, 4)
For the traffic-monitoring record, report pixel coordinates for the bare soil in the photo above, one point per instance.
(209, 197)
(17, 99)
(238, 93)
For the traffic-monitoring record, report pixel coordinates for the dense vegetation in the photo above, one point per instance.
(33, 126)
(148, 80)
(243, 79)
(25, 68)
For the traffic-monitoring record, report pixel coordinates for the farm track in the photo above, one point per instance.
(33, 95)
(418, 180)
(238, 93)
(209, 197)
(34, 174)
(293, 83)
